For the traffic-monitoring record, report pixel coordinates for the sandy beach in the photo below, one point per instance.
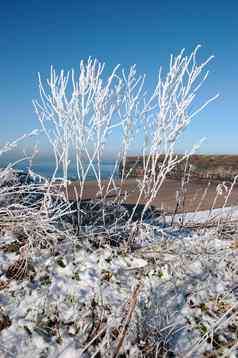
(199, 195)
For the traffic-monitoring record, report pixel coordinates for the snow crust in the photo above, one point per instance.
(189, 282)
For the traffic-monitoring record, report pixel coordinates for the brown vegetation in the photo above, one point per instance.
(212, 167)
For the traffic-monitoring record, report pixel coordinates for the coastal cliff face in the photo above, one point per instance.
(207, 167)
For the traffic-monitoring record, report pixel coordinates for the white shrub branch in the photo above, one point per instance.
(79, 115)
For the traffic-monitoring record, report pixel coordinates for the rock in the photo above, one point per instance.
(9, 177)
(150, 213)
(29, 191)
(97, 213)
(18, 179)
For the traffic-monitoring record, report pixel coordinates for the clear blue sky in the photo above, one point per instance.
(36, 34)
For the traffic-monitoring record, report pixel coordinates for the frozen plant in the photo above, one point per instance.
(79, 115)
(30, 206)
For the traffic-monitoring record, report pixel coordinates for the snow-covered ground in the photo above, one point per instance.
(205, 216)
(76, 297)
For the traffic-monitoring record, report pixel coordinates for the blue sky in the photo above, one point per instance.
(36, 34)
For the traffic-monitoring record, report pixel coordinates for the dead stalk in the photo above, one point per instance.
(133, 301)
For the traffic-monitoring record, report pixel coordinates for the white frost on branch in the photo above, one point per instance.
(78, 115)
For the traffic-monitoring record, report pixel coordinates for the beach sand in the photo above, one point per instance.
(199, 195)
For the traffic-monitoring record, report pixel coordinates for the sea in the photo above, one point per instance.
(47, 168)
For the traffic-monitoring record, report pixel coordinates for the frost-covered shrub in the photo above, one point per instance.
(79, 114)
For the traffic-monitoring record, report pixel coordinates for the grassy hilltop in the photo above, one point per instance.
(216, 167)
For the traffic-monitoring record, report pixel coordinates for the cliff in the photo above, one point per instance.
(209, 167)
